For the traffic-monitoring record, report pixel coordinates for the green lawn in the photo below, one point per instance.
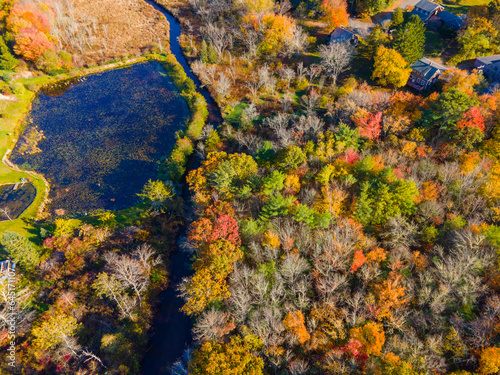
(10, 128)
(433, 43)
(462, 7)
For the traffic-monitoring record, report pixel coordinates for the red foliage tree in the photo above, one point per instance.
(472, 119)
(368, 124)
(359, 260)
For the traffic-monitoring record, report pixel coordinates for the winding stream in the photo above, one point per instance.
(171, 331)
(175, 32)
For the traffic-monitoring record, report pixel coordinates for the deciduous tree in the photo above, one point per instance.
(390, 68)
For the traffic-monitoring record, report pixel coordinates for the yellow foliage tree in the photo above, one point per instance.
(271, 240)
(331, 200)
(460, 79)
(233, 358)
(258, 6)
(390, 68)
(204, 287)
(53, 329)
(278, 30)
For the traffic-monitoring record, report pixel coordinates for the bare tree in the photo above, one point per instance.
(220, 37)
(266, 78)
(223, 85)
(287, 74)
(335, 58)
(6, 211)
(133, 271)
(298, 42)
(254, 86)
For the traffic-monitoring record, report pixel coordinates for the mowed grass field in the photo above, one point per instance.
(462, 7)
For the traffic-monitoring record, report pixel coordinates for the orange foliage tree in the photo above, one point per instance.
(371, 336)
(489, 361)
(31, 30)
(390, 295)
(335, 13)
(294, 323)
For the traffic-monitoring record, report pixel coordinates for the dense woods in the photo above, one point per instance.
(345, 223)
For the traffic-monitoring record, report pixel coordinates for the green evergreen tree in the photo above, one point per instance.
(212, 55)
(409, 40)
(21, 250)
(7, 60)
(367, 48)
(204, 52)
(397, 18)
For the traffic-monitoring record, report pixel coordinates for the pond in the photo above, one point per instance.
(99, 140)
(15, 198)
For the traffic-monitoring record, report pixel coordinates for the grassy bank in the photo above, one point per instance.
(12, 126)
(175, 166)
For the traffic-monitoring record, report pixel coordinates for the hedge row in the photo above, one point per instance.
(175, 166)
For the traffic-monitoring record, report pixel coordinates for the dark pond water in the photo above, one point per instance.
(175, 32)
(14, 199)
(98, 141)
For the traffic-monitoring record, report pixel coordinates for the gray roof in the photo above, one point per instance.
(427, 5)
(487, 60)
(451, 19)
(341, 35)
(427, 68)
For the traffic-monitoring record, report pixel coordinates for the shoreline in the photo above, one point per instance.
(22, 107)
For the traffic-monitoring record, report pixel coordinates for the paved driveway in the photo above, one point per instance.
(364, 28)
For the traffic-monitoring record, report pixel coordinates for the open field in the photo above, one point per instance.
(463, 7)
(120, 28)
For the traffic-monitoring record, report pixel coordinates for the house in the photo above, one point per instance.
(490, 66)
(342, 35)
(450, 20)
(424, 73)
(425, 9)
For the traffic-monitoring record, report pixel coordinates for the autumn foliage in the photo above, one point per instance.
(335, 13)
(294, 323)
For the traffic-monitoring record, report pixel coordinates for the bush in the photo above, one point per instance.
(17, 88)
(48, 62)
(6, 77)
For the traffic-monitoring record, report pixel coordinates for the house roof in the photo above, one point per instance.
(423, 17)
(487, 60)
(341, 35)
(427, 5)
(451, 19)
(427, 68)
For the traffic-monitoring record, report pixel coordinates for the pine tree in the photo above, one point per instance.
(397, 18)
(409, 40)
(212, 55)
(21, 250)
(7, 60)
(204, 52)
(368, 47)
